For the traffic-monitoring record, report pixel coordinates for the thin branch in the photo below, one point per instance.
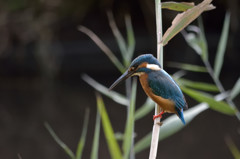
(103, 47)
(156, 126)
(220, 87)
(118, 36)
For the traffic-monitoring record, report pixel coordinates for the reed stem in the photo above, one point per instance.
(156, 125)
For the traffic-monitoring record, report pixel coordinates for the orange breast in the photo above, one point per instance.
(166, 104)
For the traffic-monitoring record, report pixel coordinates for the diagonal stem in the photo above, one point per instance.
(103, 47)
(220, 87)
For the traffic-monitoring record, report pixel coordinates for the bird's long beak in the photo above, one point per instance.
(121, 78)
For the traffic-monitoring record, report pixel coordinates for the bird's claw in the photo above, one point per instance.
(158, 116)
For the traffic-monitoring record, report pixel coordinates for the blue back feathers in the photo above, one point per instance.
(163, 85)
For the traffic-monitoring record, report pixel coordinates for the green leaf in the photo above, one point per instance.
(118, 36)
(113, 146)
(129, 129)
(184, 19)
(103, 47)
(202, 40)
(222, 46)
(197, 40)
(198, 85)
(131, 40)
(177, 6)
(188, 67)
(182, 6)
(104, 90)
(170, 126)
(95, 146)
(193, 39)
(173, 124)
(236, 89)
(67, 150)
(82, 139)
(219, 106)
(233, 148)
(144, 109)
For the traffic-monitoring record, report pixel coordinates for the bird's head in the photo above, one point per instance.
(140, 65)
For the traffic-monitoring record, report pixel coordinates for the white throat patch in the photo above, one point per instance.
(153, 67)
(138, 74)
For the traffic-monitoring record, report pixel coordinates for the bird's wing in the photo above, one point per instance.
(163, 85)
(180, 103)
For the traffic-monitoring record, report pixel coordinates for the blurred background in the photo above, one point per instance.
(42, 57)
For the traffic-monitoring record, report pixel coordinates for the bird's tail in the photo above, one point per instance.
(180, 115)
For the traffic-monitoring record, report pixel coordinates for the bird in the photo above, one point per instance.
(157, 84)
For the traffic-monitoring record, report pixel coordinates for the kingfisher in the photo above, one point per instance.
(157, 84)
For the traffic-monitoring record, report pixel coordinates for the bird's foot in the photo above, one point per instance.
(158, 116)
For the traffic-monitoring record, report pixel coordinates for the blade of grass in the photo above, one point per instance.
(103, 47)
(184, 19)
(198, 85)
(187, 67)
(104, 90)
(129, 129)
(82, 139)
(130, 39)
(177, 6)
(67, 150)
(232, 147)
(170, 126)
(202, 40)
(118, 36)
(196, 39)
(108, 130)
(193, 39)
(219, 106)
(95, 146)
(222, 46)
(236, 89)
(182, 6)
